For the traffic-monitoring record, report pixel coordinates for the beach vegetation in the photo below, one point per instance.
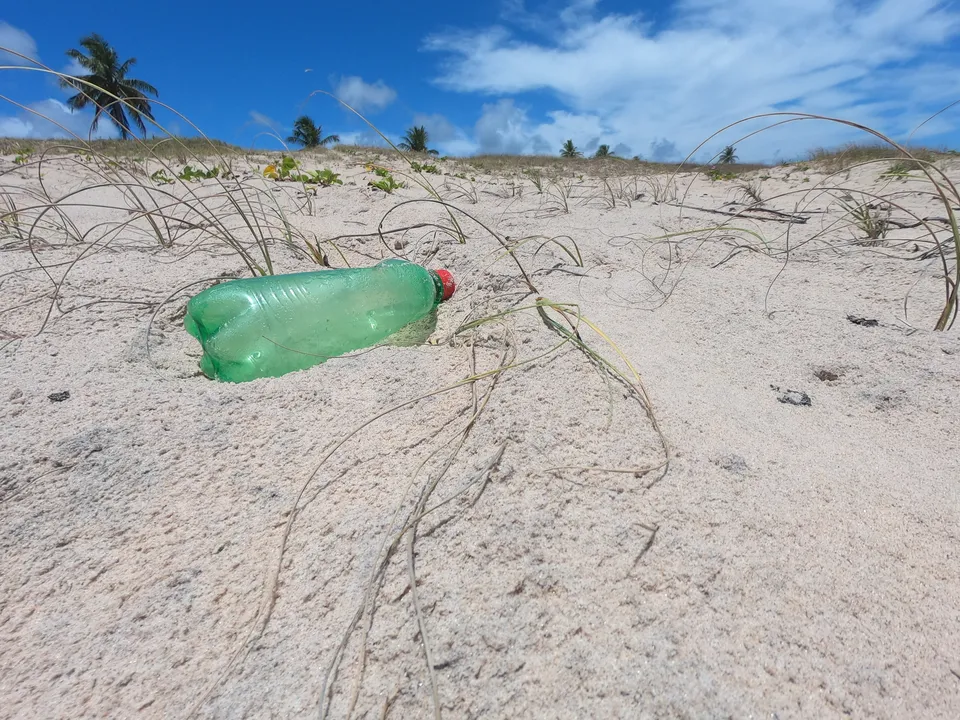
(415, 140)
(569, 150)
(107, 87)
(310, 135)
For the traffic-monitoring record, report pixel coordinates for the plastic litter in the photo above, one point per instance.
(272, 325)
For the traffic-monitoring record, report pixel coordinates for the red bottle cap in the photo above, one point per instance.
(448, 283)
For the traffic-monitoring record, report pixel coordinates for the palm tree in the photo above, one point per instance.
(604, 151)
(569, 150)
(309, 135)
(728, 156)
(416, 140)
(107, 87)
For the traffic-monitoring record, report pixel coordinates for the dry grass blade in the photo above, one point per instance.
(871, 219)
(556, 197)
(461, 190)
(853, 154)
(574, 253)
(661, 190)
(752, 191)
(944, 188)
(421, 179)
(536, 177)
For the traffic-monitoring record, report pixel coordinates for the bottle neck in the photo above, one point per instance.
(437, 288)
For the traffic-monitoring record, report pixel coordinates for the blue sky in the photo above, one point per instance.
(650, 78)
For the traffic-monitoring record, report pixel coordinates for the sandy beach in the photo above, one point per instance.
(762, 521)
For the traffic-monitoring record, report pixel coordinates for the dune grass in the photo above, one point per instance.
(942, 235)
(175, 215)
(250, 216)
(852, 154)
(165, 147)
(600, 167)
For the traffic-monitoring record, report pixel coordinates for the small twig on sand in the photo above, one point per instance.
(777, 216)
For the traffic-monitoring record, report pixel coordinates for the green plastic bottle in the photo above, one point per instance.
(272, 325)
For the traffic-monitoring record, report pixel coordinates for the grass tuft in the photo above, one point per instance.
(871, 219)
(851, 154)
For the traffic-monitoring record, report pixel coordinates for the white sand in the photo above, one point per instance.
(805, 558)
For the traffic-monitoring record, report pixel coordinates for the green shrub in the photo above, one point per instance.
(325, 177)
(288, 169)
(715, 174)
(161, 178)
(281, 170)
(417, 167)
(898, 169)
(387, 183)
(191, 174)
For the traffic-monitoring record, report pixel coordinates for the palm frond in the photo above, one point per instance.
(81, 59)
(78, 101)
(141, 86)
(415, 140)
(96, 119)
(108, 88)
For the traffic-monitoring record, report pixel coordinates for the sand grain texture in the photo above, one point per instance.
(794, 561)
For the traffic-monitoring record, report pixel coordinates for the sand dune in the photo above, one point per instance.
(172, 545)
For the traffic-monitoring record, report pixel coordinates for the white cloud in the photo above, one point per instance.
(363, 96)
(623, 80)
(74, 69)
(444, 135)
(503, 129)
(14, 127)
(438, 127)
(662, 150)
(461, 146)
(366, 138)
(585, 129)
(258, 118)
(577, 11)
(18, 40)
(53, 119)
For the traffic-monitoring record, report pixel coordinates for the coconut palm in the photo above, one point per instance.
(604, 151)
(569, 150)
(728, 156)
(306, 133)
(416, 140)
(107, 87)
